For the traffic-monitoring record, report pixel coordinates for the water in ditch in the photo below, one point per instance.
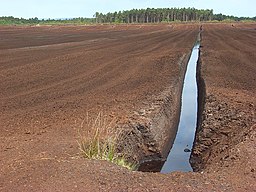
(178, 158)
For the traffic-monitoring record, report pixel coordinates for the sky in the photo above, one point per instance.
(87, 8)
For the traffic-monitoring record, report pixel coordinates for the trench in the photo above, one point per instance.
(179, 155)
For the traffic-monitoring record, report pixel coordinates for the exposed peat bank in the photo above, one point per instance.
(181, 142)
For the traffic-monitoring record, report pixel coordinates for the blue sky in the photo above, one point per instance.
(86, 8)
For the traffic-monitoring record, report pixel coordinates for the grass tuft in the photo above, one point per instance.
(100, 141)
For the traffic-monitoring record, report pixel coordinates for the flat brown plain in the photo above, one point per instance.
(52, 76)
(226, 142)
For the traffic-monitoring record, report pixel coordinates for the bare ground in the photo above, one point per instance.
(225, 143)
(52, 76)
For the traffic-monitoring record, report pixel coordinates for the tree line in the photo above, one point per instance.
(221, 17)
(10, 20)
(151, 15)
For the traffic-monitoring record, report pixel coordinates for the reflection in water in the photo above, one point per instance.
(178, 159)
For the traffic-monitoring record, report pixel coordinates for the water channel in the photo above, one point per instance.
(178, 158)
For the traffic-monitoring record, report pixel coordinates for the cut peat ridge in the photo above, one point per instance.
(178, 158)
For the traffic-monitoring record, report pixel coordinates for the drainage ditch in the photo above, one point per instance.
(178, 158)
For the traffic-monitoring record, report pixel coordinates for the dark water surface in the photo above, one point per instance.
(178, 158)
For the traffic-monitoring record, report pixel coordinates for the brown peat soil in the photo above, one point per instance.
(53, 76)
